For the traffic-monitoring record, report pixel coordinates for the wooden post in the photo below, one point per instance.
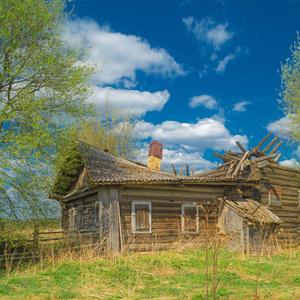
(36, 235)
(114, 220)
(248, 241)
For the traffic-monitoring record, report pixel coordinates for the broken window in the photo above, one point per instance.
(189, 217)
(141, 216)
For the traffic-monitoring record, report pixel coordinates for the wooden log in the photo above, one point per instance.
(260, 144)
(271, 144)
(224, 158)
(262, 158)
(240, 146)
(181, 171)
(240, 164)
(187, 171)
(277, 157)
(174, 170)
(284, 168)
(276, 147)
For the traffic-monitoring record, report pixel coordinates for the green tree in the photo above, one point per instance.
(114, 129)
(44, 81)
(290, 90)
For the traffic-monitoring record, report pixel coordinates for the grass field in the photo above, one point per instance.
(160, 275)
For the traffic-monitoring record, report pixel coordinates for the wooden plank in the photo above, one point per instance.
(224, 158)
(187, 171)
(181, 171)
(174, 170)
(240, 164)
(262, 158)
(260, 144)
(240, 146)
(271, 144)
(277, 157)
(230, 170)
(276, 147)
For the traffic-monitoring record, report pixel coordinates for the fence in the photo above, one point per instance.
(85, 237)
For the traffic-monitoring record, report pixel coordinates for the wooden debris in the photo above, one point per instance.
(235, 163)
(271, 144)
(181, 171)
(174, 170)
(276, 147)
(240, 146)
(240, 164)
(260, 144)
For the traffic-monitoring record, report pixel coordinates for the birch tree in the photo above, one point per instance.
(44, 81)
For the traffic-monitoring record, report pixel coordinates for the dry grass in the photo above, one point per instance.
(84, 273)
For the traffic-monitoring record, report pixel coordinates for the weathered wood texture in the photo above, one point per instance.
(166, 202)
(287, 181)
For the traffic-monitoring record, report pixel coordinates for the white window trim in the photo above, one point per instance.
(133, 220)
(183, 205)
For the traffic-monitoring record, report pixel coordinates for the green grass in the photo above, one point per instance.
(160, 275)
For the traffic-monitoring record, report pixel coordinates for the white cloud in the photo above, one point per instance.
(280, 127)
(205, 100)
(241, 106)
(133, 100)
(223, 63)
(208, 31)
(203, 71)
(123, 54)
(180, 158)
(205, 134)
(290, 163)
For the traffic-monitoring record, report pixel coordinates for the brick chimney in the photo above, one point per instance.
(155, 155)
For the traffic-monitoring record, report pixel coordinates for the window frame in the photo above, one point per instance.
(133, 216)
(188, 205)
(72, 219)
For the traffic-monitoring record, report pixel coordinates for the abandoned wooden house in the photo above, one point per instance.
(137, 206)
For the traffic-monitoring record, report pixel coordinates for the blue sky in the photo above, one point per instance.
(202, 73)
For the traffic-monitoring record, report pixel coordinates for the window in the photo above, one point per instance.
(72, 214)
(141, 217)
(98, 213)
(275, 194)
(189, 217)
(80, 217)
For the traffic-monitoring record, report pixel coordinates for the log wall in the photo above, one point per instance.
(166, 201)
(288, 179)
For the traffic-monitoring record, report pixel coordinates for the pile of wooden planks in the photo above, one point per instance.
(236, 162)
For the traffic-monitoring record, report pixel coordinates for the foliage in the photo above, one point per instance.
(114, 130)
(43, 86)
(290, 90)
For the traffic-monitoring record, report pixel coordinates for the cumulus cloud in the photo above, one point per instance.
(133, 100)
(208, 31)
(207, 133)
(290, 163)
(123, 54)
(179, 157)
(280, 127)
(205, 100)
(241, 106)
